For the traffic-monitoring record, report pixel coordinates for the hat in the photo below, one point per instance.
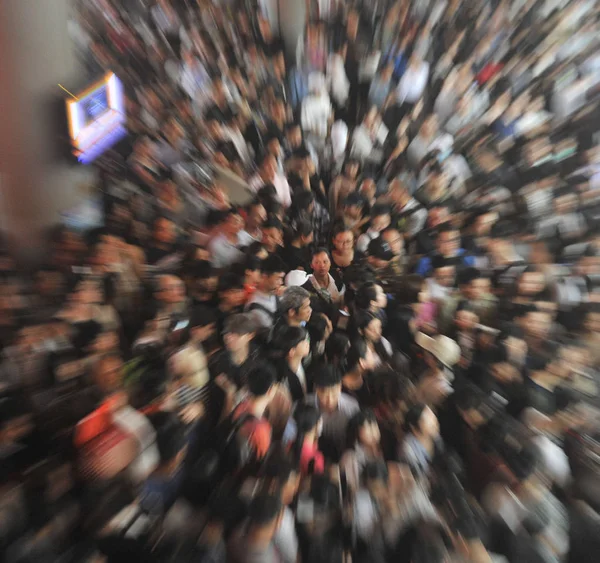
(296, 277)
(443, 348)
(380, 249)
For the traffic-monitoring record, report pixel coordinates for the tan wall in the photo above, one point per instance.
(35, 56)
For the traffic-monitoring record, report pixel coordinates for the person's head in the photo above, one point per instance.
(398, 191)
(363, 430)
(264, 515)
(171, 290)
(354, 206)
(203, 277)
(231, 290)
(368, 188)
(343, 238)
(444, 270)
(293, 134)
(472, 406)
(321, 263)
(328, 388)
(472, 284)
(268, 167)
(293, 343)
(164, 231)
(531, 282)
(394, 239)
(261, 383)
(256, 214)
(369, 325)
(319, 327)
(273, 146)
(238, 332)
(360, 358)
(232, 222)
(465, 317)
(336, 348)
(421, 421)
(295, 304)
(170, 438)
(537, 323)
(303, 232)
(370, 297)
(203, 323)
(351, 168)
(272, 271)
(108, 373)
(380, 218)
(272, 234)
(448, 241)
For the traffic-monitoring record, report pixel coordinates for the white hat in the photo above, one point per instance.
(443, 348)
(296, 277)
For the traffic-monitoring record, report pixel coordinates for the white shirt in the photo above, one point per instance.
(337, 81)
(412, 84)
(316, 112)
(223, 252)
(332, 289)
(284, 193)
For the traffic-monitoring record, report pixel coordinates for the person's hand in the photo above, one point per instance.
(226, 384)
(191, 413)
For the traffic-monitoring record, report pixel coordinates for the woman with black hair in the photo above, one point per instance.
(343, 253)
(364, 446)
(359, 361)
(369, 327)
(422, 440)
(290, 346)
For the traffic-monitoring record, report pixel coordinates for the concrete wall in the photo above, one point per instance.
(36, 55)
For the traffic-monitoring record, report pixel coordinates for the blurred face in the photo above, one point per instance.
(273, 282)
(344, 241)
(88, 293)
(351, 170)
(272, 238)
(373, 330)
(477, 288)
(369, 434)
(164, 231)
(445, 276)
(235, 342)
(381, 301)
(368, 188)
(466, 320)
(269, 168)
(395, 240)
(233, 225)
(430, 126)
(305, 311)
(172, 290)
(321, 264)
(429, 423)
(380, 223)
(531, 283)
(234, 297)
(108, 374)
(449, 243)
(517, 350)
(257, 215)
(329, 397)
(538, 324)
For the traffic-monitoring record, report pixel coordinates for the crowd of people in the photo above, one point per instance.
(388, 352)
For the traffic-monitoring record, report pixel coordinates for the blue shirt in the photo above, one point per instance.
(424, 265)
